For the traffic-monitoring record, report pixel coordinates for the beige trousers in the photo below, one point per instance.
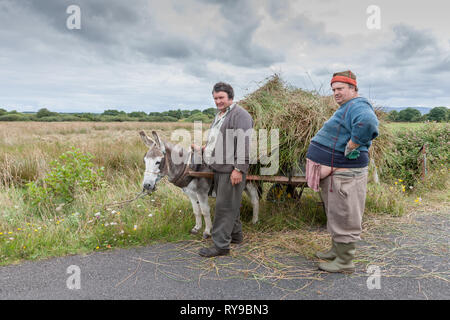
(344, 204)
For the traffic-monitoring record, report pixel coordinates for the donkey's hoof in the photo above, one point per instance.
(206, 236)
(194, 231)
(254, 221)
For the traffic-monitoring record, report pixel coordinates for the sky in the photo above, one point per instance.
(155, 55)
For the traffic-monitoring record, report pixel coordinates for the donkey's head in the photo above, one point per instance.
(154, 161)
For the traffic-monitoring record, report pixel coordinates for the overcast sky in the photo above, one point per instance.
(141, 55)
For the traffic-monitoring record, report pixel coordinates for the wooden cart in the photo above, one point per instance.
(292, 182)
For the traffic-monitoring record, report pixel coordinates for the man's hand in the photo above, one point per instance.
(236, 177)
(350, 150)
(197, 148)
(351, 145)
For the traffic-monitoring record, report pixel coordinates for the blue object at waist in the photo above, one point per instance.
(324, 155)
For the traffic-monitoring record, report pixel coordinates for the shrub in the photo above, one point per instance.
(404, 159)
(72, 173)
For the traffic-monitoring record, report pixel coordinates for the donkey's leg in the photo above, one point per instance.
(204, 205)
(196, 208)
(252, 192)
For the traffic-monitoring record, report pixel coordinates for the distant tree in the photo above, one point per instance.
(439, 114)
(175, 113)
(185, 113)
(137, 114)
(195, 111)
(198, 116)
(44, 112)
(210, 112)
(2, 111)
(393, 115)
(409, 115)
(112, 112)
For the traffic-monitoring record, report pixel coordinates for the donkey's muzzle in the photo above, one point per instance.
(149, 187)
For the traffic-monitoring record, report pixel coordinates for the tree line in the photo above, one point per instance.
(111, 115)
(438, 114)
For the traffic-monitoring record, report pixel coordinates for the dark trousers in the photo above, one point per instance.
(227, 221)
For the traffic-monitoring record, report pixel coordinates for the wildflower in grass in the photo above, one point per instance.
(400, 180)
(135, 227)
(150, 215)
(97, 247)
(418, 200)
(395, 182)
(1, 233)
(18, 229)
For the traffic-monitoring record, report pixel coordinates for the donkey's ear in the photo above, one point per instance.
(148, 142)
(159, 142)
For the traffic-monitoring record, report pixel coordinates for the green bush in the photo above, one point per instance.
(404, 161)
(14, 117)
(198, 117)
(73, 172)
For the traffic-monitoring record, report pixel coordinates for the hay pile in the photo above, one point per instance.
(298, 114)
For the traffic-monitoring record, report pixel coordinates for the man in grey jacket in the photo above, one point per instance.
(227, 152)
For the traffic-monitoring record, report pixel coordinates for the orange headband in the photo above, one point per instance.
(343, 79)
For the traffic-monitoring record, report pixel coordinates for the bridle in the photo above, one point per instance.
(178, 178)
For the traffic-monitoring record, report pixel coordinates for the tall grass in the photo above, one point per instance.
(84, 225)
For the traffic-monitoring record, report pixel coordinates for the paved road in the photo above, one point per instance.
(411, 267)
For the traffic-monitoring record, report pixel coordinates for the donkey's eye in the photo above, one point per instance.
(158, 163)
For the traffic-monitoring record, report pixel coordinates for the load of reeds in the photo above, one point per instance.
(297, 114)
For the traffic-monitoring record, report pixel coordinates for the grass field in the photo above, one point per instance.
(398, 126)
(84, 225)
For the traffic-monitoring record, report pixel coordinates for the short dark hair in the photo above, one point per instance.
(225, 87)
(352, 86)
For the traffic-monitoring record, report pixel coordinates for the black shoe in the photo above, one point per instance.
(213, 252)
(237, 238)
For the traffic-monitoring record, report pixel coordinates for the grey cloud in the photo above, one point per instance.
(314, 32)
(120, 28)
(410, 44)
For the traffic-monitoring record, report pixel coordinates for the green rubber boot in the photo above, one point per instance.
(329, 255)
(345, 252)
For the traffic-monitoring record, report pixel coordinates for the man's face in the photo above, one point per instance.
(342, 92)
(221, 100)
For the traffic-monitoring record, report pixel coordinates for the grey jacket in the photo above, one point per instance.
(232, 149)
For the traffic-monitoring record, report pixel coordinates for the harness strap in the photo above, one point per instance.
(185, 171)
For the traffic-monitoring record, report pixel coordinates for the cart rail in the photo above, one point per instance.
(298, 180)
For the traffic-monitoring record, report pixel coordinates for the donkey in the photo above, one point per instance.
(159, 163)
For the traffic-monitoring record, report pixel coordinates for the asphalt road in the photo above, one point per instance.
(409, 266)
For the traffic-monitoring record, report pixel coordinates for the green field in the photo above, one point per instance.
(397, 126)
(57, 227)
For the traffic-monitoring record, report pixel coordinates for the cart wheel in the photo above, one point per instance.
(281, 192)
